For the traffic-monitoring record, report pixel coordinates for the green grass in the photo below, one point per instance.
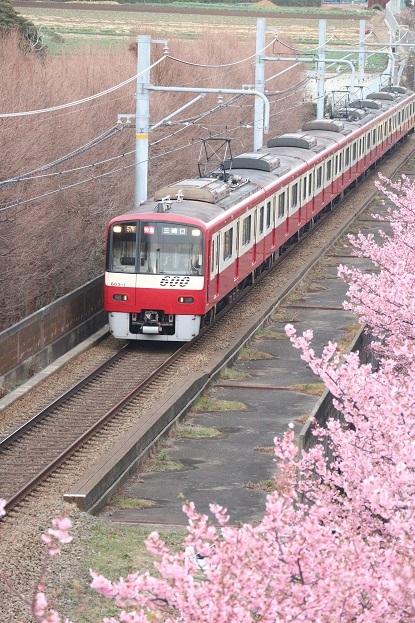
(230, 374)
(124, 502)
(115, 551)
(251, 354)
(161, 463)
(269, 334)
(104, 28)
(192, 431)
(264, 485)
(207, 404)
(312, 389)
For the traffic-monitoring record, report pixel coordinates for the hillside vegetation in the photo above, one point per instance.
(52, 222)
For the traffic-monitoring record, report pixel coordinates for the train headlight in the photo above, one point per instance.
(186, 299)
(117, 229)
(196, 232)
(120, 297)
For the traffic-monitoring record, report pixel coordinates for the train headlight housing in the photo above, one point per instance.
(120, 297)
(186, 299)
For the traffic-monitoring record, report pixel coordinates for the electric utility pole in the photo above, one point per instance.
(142, 117)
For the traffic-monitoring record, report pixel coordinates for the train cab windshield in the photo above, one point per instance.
(158, 248)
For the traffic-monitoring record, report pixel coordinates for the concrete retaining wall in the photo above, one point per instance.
(324, 410)
(36, 341)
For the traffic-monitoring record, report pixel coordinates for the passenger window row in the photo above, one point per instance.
(252, 227)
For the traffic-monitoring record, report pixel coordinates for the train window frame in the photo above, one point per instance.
(261, 220)
(368, 142)
(347, 157)
(328, 171)
(294, 196)
(340, 162)
(319, 177)
(212, 257)
(336, 165)
(310, 184)
(246, 232)
(304, 196)
(268, 222)
(354, 151)
(126, 248)
(227, 244)
(281, 204)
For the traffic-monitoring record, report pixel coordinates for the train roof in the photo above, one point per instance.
(244, 175)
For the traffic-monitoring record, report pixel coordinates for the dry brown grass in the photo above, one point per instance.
(50, 245)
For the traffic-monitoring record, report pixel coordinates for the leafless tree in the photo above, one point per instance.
(52, 227)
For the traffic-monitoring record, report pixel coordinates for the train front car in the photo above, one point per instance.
(154, 279)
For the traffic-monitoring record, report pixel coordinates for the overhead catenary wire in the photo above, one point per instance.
(185, 126)
(193, 121)
(33, 174)
(37, 173)
(85, 99)
(96, 177)
(243, 60)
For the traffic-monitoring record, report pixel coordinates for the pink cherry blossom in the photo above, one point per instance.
(335, 543)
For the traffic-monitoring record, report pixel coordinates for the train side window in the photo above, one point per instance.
(347, 157)
(374, 137)
(305, 188)
(281, 205)
(227, 244)
(268, 225)
(328, 170)
(354, 151)
(340, 161)
(294, 196)
(336, 165)
(368, 141)
(310, 184)
(319, 178)
(246, 230)
(261, 220)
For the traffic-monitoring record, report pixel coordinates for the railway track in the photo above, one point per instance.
(35, 449)
(132, 379)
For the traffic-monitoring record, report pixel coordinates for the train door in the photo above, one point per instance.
(273, 221)
(217, 266)
(214, 269)
(237, 247)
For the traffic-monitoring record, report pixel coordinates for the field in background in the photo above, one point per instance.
(66, 29)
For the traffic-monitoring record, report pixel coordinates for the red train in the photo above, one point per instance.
(176, 259)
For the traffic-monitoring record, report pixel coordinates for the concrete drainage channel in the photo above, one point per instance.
(97, 487)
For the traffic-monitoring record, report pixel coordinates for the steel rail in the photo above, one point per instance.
(70, 450)
(41, 415)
